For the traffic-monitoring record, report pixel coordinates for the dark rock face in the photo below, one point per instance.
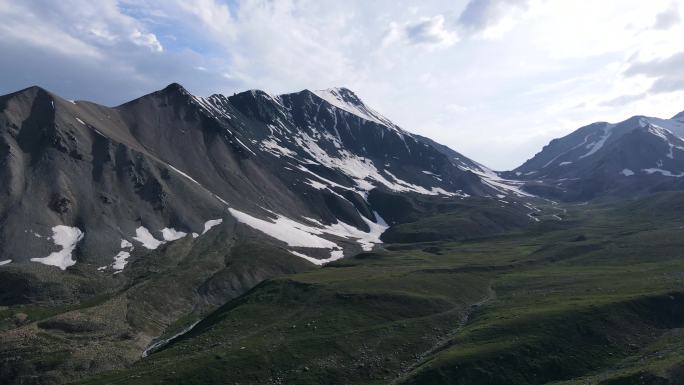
(60, 204)
(627, 159)
(136, 189)
(171, 160)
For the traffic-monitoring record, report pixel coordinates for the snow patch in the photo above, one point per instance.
(219, 199)
(211, 223)
(244, 145)
(121, 259)
(586, 138)
(66, 237)
(184, 174)
(493, 180)
(402, 185)
(275, 149)
(658, 131)
(360, 169)
(595, 146)
(366, 240)
(144, 236)
(662, 172)
(286, 230)
(329, 182)
(5, 262)
(337, 96)
(627, 172)
(663, 134)
(296, 234)
(334, 256)
(675, 126)
(171, 234)
(315, 184)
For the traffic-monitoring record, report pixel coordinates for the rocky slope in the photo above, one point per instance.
(641, 154)
(121, 226)
(88, 184)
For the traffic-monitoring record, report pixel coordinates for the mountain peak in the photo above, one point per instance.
(340, 93)
(30, 95)
(174, 93)
(33, 88)
(32, 91)
(679, 116)
(257, 96)
(345, 99)
(174, 88)
(257, 103)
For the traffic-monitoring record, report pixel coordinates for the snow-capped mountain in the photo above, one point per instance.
(90, 184)
(637, 155)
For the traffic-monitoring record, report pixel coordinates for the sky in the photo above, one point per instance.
(493, 79)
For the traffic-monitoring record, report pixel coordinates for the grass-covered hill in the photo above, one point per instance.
(594, 298)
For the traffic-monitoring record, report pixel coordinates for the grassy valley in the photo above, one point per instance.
(597, 298)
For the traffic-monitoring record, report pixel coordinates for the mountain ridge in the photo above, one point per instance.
(126, 227)
(307, 154)
(638, 155)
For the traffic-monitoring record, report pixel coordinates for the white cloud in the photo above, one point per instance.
(212, 15)
(90, 50)
(21, 26)
(76, 28)
(516, 72)
(148, 40)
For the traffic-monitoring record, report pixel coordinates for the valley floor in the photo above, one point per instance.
(594, 298)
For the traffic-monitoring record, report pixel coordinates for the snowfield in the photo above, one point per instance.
(211, 223)
(595, 146)
(286, 230)
(121, 259)
(337, 96)
(143, 235)
(334, 256)
(296, 234)
(66, 237)
(662, 172)
(171, 234)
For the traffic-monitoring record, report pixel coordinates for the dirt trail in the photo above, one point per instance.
(444, 342)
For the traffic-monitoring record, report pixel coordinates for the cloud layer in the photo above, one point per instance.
(494, 79)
